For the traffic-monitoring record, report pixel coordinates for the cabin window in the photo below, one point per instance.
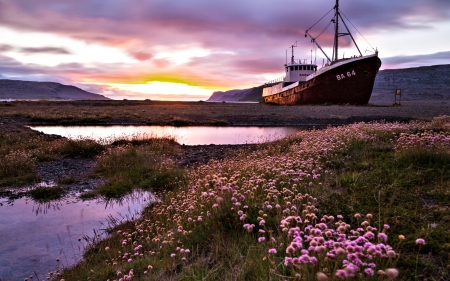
(296, 67)
(292, 68)
(309, 67)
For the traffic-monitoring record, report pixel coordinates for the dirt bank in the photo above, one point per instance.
(209, 114)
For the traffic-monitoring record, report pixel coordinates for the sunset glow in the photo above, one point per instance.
(186, 51)
(162, 91)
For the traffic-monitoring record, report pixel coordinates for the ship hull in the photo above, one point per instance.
(348, 82)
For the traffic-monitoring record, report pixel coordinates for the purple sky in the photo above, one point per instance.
(188, 49)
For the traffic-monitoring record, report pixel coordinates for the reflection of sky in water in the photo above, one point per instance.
(33, 235)
(184, 135)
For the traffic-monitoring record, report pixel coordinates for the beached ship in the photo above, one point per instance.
(339, 81)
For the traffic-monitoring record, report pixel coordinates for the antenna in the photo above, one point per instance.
(292, 47)
(315, 55)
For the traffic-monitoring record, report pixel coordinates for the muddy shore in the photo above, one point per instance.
(209, 114)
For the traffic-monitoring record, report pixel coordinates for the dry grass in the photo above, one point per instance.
(202, 113)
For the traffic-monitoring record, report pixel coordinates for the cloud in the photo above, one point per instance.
(5, 48)
(141, 56)
(417, 60)
(48, 50)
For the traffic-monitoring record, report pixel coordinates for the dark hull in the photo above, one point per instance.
(348, 83)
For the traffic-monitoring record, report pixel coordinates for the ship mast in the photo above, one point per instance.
(336, 31)
(335, 20)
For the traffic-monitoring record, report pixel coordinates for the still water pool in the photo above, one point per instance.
(184, 135)
(34, 235)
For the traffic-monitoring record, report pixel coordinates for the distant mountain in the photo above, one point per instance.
(427, 84)
(29, 90)
(252, 94)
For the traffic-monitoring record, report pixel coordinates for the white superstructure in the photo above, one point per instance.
(298, 71)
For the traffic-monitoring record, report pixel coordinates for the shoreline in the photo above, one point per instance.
(164, 113)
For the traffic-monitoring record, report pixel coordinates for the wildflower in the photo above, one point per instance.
(369, 271)
(173, 255)
(383, 237)
(287, 261)
(391, 254)
(262, 222)
(391, 273)
(341, 274)
(386, 226)
(272, 251)
(261, 239)
(150, 267)
(420, 241)
(401, 237)
(106, 248)
(321, 276)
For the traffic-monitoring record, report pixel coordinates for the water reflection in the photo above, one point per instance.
(33, 235)
(183, 135)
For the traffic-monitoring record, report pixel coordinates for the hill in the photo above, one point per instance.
(29, 90)
(426, 84)
(245, 95)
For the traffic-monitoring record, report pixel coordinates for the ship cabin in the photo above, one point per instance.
(298, 71)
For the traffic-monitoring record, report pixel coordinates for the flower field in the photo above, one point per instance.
(368, 201)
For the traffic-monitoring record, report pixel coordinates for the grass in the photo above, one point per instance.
(22, 149)
(407, 190)
(327, 192)
(46, 194)
(138, 164)
(202, 228)
(204, 113)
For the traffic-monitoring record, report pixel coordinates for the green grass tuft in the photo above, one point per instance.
(45, 194)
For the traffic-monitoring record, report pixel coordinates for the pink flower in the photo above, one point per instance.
(272, 251)
(391, 273)
(261, 239)
(369, 271)
(420, 241)
(383, 237)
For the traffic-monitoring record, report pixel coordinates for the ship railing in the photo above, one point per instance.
(277, 80)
